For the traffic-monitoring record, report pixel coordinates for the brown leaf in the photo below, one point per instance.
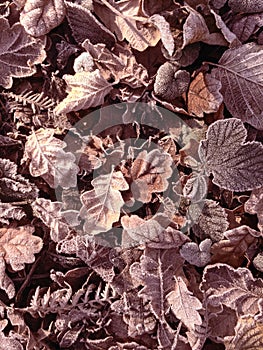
(5, 282)
(39, 17)
(10, 343)
(85, 90)
(89, 27)
(255, 206)
(204, 95)
(18, 246)
(49, 160)
(184, 304)
(235, 288)
(165, 31)
(246, 25)
(21, 49)
(232, 250)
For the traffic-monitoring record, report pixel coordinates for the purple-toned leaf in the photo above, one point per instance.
(246, 6)
(255, 206)
(197, 255)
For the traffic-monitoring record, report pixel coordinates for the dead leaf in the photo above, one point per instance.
(9, 211)
(246, 6)
(165, 31)
(204, 95)
(85, 90)
(49, 160)
(39, 17)
(18, 246)
(197, 255)
(6, 283)
(19, 48)
(255, 206)
(246, 25)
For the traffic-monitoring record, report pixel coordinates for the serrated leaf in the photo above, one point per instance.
(248, 335)
(235, 164)
(18, 246)
(212, 221)
(255, 206)
(165, 31)
(204, 95)
(39, 17)
(5, 282)
(19, 53)
(197, 255)
(85, 90)
(235, 288)
(52, 216)
(9, 211)
(102, 205)
(89, 27)
(49, 160)
(10, 343)
(184, 304)
(240, 73)
(13, 185)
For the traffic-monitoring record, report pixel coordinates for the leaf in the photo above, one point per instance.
(5, 282)
(171, 82)
(102, 205)
(212, 221)
(39, 17)
(232, 250)
(89, 27)
(246, 6)
(119, 18)
(255, 206)
(165, 31)
(14, 186)
(9, 211)
(248, 335)
(258, 262)
(49, 160)
(204, 95)
(150, 171)
(235, 164)
(244, 27)
(184, 305)
(235, 288)
(155, 271)
(197, 255)
(18, 246)
(9, 343)
(21, 49)
(52, 216)
(85, 90)
(240, 73)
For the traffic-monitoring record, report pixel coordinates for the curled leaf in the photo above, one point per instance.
(9, 211)
(197, 255)
(165, 31)
(255, 206)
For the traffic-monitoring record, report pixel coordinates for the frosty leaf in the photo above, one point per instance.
(228, 35)
(244, 27)
(246, 6)
(235, 288)
(248, 335)
(235, 164)
(89, 27)
(165, 31)
(49, 160)
(9, 343)
(232, 250)
(5, 282)
(197, 255)
(120, 63)
(240, 73)
(212, 221)
(118, 19)
(85, 90)
(155, 271)
(255, 206)
(150, 171)
(18, 246)
(258, 262)
(102, 205)
(19, 48)
(171, 82)
(184, 305)
(39, 17)
(195, 187)
(52, 216)
(204, 95)
(12, 185)
(8, 211)
(83, 62)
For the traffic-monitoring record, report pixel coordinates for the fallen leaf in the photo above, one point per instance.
(197, 255)
(246, 6)
(165, 31)
(255, 206)
(6, 283)
(9, 211)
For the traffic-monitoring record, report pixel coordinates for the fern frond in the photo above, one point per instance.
(37, 101)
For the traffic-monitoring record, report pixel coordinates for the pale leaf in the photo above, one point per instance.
(246, 6)
(255, 206)
(184, 304)
(49, 160)
(204, 95)
(165, 31)
(235, 164)
(19, 53)
(5, 282)
(241, 76)
(235, 288)
(85, 90)
(18, 246)
(247, 25)
(9, 211)
(39, 17)
(102, 205)
(9, 343)
(197, 255)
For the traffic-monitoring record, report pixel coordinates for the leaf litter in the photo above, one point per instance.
(142, 235)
